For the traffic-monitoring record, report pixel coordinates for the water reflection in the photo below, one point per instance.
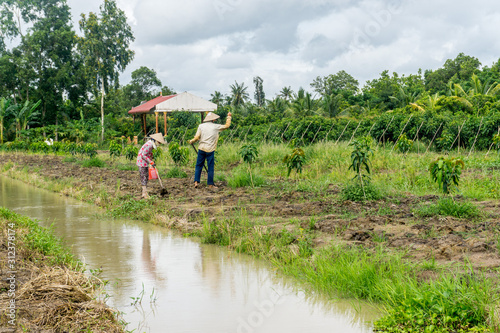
(166, 283)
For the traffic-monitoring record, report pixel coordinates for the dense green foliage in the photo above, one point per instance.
(456, 106)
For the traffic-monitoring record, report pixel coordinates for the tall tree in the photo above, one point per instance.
(239, 94)
(217, 98)
(105, 47)
(286, 93)
(141, 87)
(335, 84)
(459, 69)
(259, 94)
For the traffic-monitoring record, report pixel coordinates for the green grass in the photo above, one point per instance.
(459, 302)
(447, 206)
(38, 239)
(94, 162)
(176, 172)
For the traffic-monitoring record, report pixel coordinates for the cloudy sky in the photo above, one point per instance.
(202, 46)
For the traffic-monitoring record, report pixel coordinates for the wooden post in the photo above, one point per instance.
(343, 131)
(156, 115)
(472, 148)
(165, 124)
(352, 136)
(433, 137)
(397, 140)
(144, 124)
(458, 137)
(383, 133)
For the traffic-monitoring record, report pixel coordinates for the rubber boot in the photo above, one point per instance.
(144, 193)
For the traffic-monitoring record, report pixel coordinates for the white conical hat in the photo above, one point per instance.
(158, 137)
(211, 116)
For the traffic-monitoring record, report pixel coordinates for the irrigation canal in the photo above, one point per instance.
(162, 282)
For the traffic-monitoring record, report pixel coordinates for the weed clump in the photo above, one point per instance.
(448, 207)
(354, 191)
(176, 172)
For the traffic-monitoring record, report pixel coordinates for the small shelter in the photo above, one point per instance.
(163, 104)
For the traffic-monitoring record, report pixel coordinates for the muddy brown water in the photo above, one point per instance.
(162, 282)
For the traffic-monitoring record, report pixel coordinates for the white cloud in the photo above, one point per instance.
(202, 46)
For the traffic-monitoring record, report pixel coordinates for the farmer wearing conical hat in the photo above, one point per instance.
(208, 134)
(145, 158)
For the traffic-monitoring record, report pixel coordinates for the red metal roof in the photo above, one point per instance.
(149, 105)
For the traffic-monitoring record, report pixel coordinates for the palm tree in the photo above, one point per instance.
(331, 105)
(304, 105)
(239, 93)
(217, 98)
(405, 98)
(286, 93)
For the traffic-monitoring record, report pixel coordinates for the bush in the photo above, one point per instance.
(130, 152)
(179, 154)
(115, 149)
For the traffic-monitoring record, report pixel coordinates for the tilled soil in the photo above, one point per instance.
(391, 221)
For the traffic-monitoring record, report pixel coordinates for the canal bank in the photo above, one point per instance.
(163, 282)
(384, 255)
(43, 288)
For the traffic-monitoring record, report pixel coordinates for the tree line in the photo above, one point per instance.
(65, 85)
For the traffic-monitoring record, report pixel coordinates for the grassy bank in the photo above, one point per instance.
(419, 293)
(44, 288)
(418, 297)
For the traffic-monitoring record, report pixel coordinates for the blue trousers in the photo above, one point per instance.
(200, 161)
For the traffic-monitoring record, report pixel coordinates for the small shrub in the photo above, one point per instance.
(295, 161)
(89, 149)
(115, 149)
(404, 144)
(179, 155)
(131, 152)
(446, 172)
(249, 154)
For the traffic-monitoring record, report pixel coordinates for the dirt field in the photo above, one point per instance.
(390, 221)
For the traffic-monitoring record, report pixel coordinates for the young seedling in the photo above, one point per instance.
(446, 173)
(295, 161)
(249, 154)
(360, 160)
(115, 149)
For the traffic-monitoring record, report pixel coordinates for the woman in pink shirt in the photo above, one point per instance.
(145, 158)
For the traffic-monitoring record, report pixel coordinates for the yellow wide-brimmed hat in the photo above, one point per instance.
(158, 137)
(211, 116)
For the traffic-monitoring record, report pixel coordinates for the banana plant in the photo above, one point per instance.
(25, 115)
(5, 110)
